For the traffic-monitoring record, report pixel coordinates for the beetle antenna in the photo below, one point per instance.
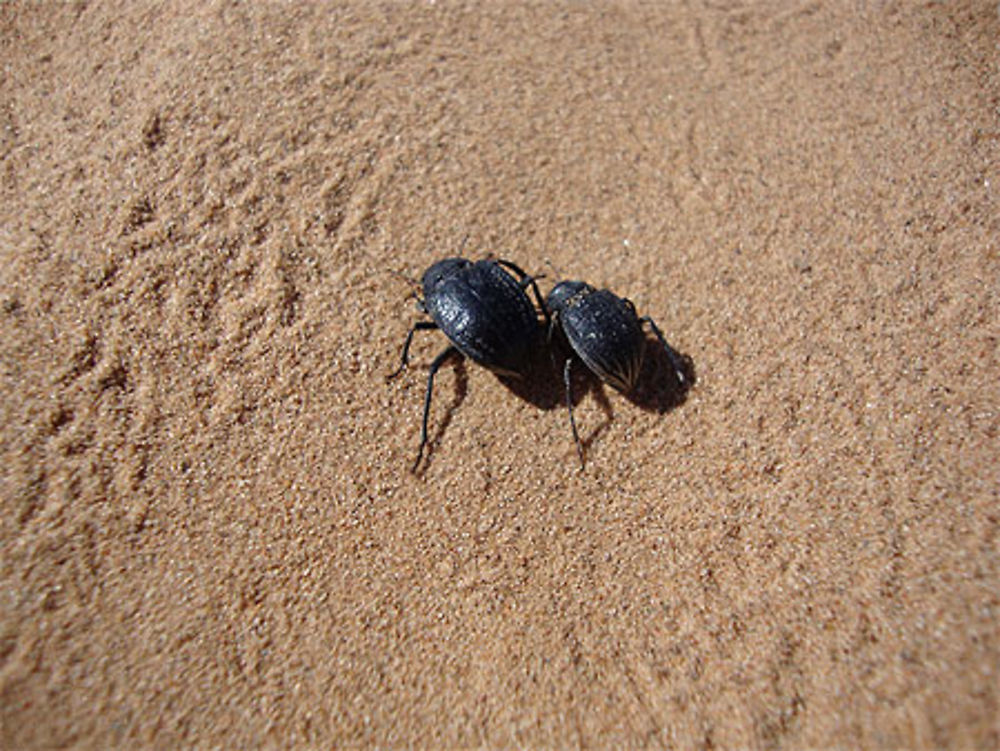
(411, 282)
(401, 275)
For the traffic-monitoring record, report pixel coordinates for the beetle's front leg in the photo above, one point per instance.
(405, 359)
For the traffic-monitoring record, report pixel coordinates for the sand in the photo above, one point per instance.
(210, 534)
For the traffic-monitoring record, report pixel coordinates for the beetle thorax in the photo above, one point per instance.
(567, 294)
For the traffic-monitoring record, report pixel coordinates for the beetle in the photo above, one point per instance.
(486, 315)
(606, 332)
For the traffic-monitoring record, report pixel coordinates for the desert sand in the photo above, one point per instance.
(212, 215)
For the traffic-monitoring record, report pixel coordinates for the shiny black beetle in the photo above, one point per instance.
(605, 331)
(486, 315)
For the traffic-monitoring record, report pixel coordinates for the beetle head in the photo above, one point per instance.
(563, 294)
(442, 270)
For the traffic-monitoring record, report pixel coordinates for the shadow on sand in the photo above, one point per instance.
(658, 389)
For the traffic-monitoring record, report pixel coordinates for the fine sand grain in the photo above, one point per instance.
(210, 536)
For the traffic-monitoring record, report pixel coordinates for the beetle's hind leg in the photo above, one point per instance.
(405, 359)
(567, 368)
(435, 366)
(672, 354)
(525, 279)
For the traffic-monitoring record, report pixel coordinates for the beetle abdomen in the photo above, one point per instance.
(607, 336)
(488, 317)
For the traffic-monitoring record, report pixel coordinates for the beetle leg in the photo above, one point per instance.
(513, 267)
(569, 408)
(538, 297)
(524, 280)
(438, 361)
(553, 325)
(675, 359)
(404, 361)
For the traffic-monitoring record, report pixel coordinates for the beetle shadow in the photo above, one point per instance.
(658, 389)
(542, 384)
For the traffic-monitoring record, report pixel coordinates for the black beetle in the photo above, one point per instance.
(605, 331)
(485, 313)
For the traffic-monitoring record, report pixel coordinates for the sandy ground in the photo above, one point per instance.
(210, 534)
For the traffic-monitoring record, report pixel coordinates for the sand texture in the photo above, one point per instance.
(211, 215)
